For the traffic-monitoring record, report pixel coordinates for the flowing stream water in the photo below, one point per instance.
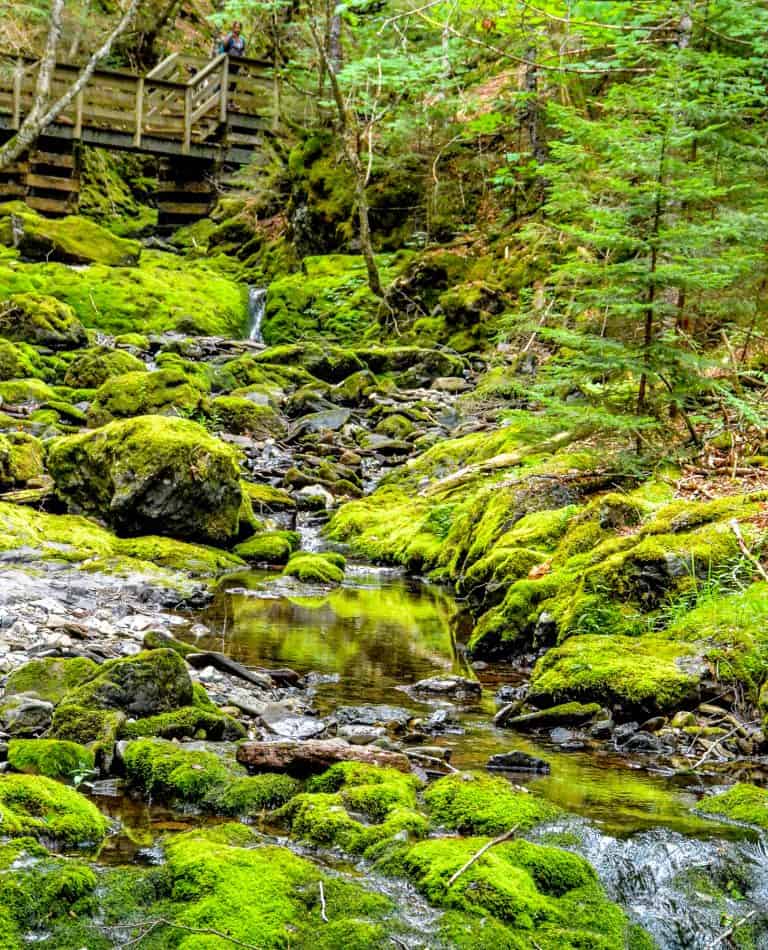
(257, 304)
(678, 874)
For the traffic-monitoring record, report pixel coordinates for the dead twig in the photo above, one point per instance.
(734, 525)
(731, 930)
(478, 854)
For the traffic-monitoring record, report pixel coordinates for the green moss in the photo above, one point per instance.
(38, 807)
(316, 568)
(742, 802)
(165, 770)
(164, 293)
(50, 678)
(37, 318)
(126, 470)
(21, 459)
(50, 757)
(549, 894)
(648, 672)
(193, 559)
(96, 728)
(92, 368)
(17, 391)
(247, 797)
(271, 547)
(186, 722)
(244, 417)
(473, 803)
(19, 361)
(163, 392)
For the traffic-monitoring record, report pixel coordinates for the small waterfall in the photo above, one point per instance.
(257, 304)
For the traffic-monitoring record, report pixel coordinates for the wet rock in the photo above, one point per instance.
(314, 498)
(448, 687)
(450, 384)
(563, 715)
(624, 731)
(642, 742)
(361, 735)
(326, 420)
(683, 719)
(654, 724)
(285, 722)
(602, 729)
(507, 712)
(517, 761)
(25, 715)
(392, 717)
(509, 693)
(441, 721)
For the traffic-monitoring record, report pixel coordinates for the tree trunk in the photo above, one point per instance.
(42, 112)
(314, 755)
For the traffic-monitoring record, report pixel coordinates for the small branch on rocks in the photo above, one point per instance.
(323, 913)
(203, 931)
(734, 525)
(731, 930)
(478, 854)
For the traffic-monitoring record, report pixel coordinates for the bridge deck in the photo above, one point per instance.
(208, 109)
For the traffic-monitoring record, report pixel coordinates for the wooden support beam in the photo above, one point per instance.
(187, 121)
(52, 183)
(139, 112)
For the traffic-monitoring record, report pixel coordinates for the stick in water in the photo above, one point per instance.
(478, 854)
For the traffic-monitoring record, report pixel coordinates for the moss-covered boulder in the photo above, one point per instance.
(163, 392)
(71, 240)
(93, 367)
(743, 802)
(271, 547)
(54, 758)
(46, 321)
(327, 568)
(473, 803)
(50, 678)
(245, 417)
(152, 475)
(21, 459)
(19, 361)
(38, 807)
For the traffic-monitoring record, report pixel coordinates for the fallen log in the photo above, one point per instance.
(314, 755)
(226, 665)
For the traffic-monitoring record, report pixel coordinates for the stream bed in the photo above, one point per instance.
(683, 877)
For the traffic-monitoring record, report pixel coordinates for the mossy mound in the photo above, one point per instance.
(473, 803)
(328, 814)
(21, 459)
(152, 475)
(50, 678)
(163, 392)
(42, 320)
(546, 897)
(266, 499)
(199, 777)
(72, 240)
(164, 293)
(326, 362)
(53, 758)
(744, 803)
(316, 568)
(38, 807)
(244, 417)
(76, 539)
(271, 547)
(93, 367)
(20, 361)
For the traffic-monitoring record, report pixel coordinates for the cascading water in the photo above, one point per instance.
(257, 304)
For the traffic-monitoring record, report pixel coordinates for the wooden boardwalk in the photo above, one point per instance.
(198, 115)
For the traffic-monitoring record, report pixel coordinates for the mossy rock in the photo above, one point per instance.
(244, 417)
(163, 392)
(44, 321)
(267, 499)
(21, 459)
(744, 803)
(548, 897)
(326, 814)
(195, 559)
(152, 475)
(152, 682)
(271, 547)
(54, 758)
(20, 361)
(316, 568)
(71, 240)
(50, 678)
(327, 362)
(91, 368)
(473, 803)
(647, 674)
(39, 807)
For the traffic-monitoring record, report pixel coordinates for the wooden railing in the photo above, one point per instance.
(183, 99)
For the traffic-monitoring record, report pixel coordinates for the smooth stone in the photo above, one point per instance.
(25, 715)
(642, 742)
(429, 751)
(517, 761)
(361, 735)
(373, 715)
(285, 722)
(455, 687)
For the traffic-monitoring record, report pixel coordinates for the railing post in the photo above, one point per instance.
(185, 148)
(18, 78)
(224, 90)
(78, 134)
(139, 112)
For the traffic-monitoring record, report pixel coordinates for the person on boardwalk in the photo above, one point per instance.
(234, 42)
